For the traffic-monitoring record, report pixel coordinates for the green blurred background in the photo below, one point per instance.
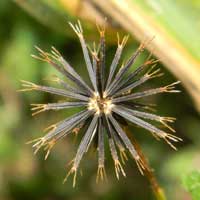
(27, 176)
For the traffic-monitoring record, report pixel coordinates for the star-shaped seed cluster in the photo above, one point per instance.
(108, 103)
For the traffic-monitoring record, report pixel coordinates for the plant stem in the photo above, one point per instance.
(157, 189)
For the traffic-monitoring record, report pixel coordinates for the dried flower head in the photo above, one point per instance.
(107, 105)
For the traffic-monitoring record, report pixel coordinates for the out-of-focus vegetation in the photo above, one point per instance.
(191, 183)
(44, 23)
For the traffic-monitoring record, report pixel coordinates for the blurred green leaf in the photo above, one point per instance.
(49, 13)
(16, 56)
(176, 16)
(192, 184)
(181, 163)
(7, 146)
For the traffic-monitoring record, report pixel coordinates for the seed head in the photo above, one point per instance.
(108, 103)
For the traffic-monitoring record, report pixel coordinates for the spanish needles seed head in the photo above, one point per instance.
(108, 99)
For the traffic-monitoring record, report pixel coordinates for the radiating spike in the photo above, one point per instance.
(118, 167)
(127, 143)
(136, 105)
(95, 63)
(149, 75)
(116, 59)
(102, 55)
(79, 31)
(125, 82)
(118, 142)
(123, 136)
(150, 116)
(70, 69)
(38, 108)
(101, 151)
(31, 86)
(82, 149)
(63, 67)
(137, 95)
(130, 117)
(60, 130)
(66, 85)
(85, 142)
(144, 124)
(119, 76)
(64, 127)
